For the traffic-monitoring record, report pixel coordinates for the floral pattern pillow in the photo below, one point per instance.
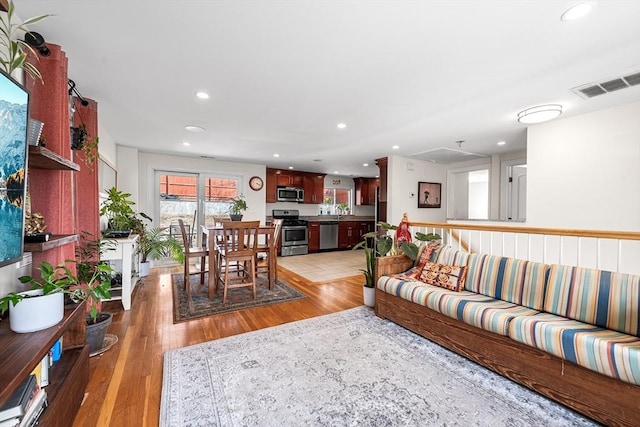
(443, 275)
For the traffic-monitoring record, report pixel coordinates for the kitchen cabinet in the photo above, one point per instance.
(311, 183)
(314, 236)
(347, 234)
(366, 191)
(313, 186)
(350, 232)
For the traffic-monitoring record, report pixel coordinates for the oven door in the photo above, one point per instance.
(294, 235)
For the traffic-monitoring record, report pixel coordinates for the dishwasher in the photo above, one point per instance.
(328, 235)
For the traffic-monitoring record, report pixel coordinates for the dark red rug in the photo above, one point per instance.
(237, 299)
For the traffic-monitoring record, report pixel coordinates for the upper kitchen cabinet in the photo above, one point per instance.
(313, 185)
(366, 191)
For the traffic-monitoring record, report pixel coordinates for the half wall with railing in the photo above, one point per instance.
(605, 250)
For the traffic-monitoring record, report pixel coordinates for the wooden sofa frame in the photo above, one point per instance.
(602, 398)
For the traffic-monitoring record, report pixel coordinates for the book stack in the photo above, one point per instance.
(25, 405)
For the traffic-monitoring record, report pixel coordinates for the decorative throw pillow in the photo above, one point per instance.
(443, 275)
(424, 254)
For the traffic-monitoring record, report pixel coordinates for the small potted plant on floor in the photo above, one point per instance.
(238, 205)
(156, 243)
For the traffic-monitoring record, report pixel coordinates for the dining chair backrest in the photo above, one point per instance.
(240, 237)
(185, 237)
(277, 224)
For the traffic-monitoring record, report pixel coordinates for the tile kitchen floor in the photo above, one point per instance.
(323, 266)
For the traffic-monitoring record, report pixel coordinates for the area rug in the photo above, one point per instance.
(344, 369)
(237, 299)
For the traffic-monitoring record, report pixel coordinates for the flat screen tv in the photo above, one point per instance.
(14, 113)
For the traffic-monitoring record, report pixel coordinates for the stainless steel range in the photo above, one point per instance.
(295, 236)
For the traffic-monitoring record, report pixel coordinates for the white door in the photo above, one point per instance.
(513, 190)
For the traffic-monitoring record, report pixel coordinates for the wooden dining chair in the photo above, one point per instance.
(237, 256)
(264, 262)
(192, 252)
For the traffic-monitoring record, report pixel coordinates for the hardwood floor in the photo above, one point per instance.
(126, 382)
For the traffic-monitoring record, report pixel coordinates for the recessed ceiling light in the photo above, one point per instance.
(578, 11)
(539, 114)
(317, 160)
(335, 172)
(202, 95)
(194, 128)
(290, 167)
(395, 147)
(365, 164)
(342, 125)
(186, 144)
(502, 142)
(276, 155)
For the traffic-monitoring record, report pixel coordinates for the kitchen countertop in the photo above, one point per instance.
(323, 218)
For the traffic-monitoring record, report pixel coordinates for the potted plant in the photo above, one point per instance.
(94, 278)
(156, 243)
(121, 218)
(378, 244)
(238, 205)
(13, 52)
(43, 306)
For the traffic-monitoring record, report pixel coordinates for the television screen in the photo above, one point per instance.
(14, 106)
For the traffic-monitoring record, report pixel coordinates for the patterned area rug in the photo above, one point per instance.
(344, 369)
(237, 299)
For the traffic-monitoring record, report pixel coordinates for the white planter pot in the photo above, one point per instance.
(144, 268)
(369, 295)
(37, 312)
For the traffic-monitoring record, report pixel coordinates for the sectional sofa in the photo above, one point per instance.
(568, 333)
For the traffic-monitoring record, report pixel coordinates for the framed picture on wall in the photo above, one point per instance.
(429, 194)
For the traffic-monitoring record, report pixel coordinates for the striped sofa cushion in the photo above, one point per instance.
(477, 310)
(509, 279)
(608, 352)
(602, 298)
(408, 289)
(449, 255)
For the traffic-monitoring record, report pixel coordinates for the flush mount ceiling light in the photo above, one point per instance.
(202, 95)
(578, 11)
(395, 147)
(540, 114)
(502, 142)
(186, 143)
(194, 128)
(342, 125)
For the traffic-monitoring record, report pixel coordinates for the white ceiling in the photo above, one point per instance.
(283, 74)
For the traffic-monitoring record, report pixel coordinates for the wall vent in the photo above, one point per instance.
(591, 90)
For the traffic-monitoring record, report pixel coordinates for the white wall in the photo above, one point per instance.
(107, 146)
(403, 177)
(127, 165)
(584, 171)
(148, 163)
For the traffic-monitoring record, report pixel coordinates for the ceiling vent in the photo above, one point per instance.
(595, 89)
(446, 155)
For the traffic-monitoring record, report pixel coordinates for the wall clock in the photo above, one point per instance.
(256, 183)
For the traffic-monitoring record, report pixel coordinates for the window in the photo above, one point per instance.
(336, 201)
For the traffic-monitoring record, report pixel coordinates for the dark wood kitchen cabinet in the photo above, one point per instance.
(347, 234)
(366, 191)
(313, 186)
(314, 236)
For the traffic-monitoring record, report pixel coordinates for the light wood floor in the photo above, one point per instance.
(125, 382)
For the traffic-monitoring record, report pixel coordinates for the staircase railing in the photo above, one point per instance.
(601, 249)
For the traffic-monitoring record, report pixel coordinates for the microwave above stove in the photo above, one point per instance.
(289, 194)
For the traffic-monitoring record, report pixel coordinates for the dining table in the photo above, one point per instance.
(209, 235)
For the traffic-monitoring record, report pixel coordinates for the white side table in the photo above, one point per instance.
(123, 257)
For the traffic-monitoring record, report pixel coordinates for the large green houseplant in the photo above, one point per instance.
(13, 50)
(156, 243)
(121, 218)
